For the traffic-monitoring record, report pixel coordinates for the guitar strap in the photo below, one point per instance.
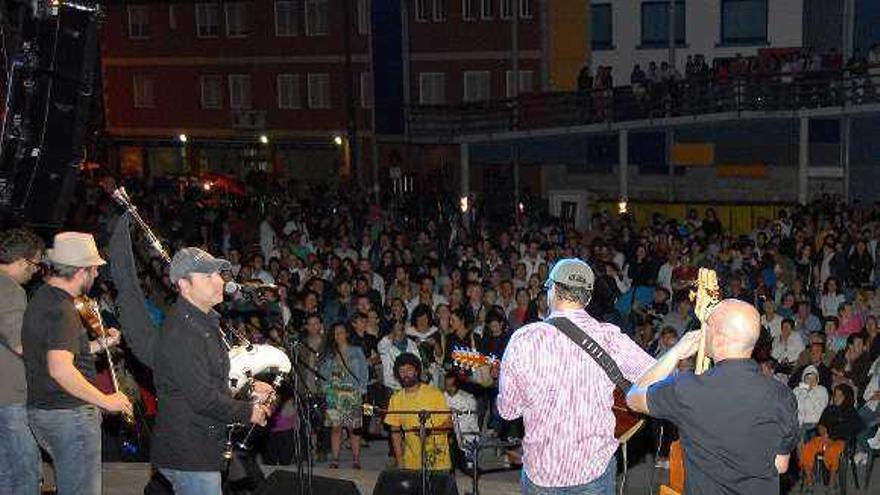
(591, 347)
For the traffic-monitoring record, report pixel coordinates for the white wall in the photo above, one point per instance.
(703, 33)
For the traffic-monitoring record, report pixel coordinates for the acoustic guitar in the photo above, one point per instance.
(626, 422)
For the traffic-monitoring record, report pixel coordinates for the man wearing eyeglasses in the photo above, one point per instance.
(19, 457)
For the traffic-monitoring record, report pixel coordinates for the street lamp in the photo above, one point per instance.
(337, 140)
(264, 139)
(182, 138)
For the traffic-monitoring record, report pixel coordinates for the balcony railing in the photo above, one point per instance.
(753, 92)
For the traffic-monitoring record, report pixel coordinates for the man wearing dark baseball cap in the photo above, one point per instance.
(561, 393)
(191, 370)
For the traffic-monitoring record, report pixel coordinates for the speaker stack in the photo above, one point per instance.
(49, 96)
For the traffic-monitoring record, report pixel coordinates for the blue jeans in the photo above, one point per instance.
(870, 419)
(193, 482)
(19, 456)
(603, 485)
(73, 438)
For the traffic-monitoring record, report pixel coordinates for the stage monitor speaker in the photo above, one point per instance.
(287, 483)
(408, 482)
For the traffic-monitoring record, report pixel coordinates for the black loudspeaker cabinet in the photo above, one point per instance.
(287, 483)
(51, 91)
(408, 482)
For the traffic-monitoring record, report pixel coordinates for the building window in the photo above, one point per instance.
(319, 90)
(743, 22)
(507, 9)
(363, 16)
(487, 9)
(526, 82)
(207, 20)
(432, 88)
(212, 92)
(525, 9)
(366, 90)
(317, 17)
(469, 9)
(286, 18)
(422, 10)
(138, 22)
(172, 18)
(655, 23)
(477, 85)
(238, 22)
(440, 10)
(288, 91)
(239, 91)
(602, 30)
(144, 92)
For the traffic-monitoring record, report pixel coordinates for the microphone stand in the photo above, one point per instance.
(423, 415)
(303, 409)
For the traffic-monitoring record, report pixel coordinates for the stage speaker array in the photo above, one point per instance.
(50, 94)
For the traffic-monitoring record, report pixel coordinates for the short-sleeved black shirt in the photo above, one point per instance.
(733, 422)
(51, 322)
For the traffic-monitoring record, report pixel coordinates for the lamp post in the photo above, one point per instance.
(184, 164)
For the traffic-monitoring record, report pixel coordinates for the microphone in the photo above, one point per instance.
(247, 287)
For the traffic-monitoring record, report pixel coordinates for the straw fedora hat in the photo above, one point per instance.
(75, 249)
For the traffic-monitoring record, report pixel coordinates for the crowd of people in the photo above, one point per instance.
(347, 285)
(777, 78)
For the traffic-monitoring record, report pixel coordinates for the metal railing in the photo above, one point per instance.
(755, 92)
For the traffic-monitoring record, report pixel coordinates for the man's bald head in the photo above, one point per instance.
(734, 328)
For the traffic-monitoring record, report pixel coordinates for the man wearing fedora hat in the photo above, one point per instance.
(60, 367)
(191, 370)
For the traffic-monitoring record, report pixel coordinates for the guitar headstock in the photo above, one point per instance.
(470, 359)
(706, 295)
(121, 196)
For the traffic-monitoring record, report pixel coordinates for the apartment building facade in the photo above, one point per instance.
(629, 32)
(227, 86)
(234, 86)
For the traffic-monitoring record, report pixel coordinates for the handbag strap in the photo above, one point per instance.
(591, 347)
(345, 365)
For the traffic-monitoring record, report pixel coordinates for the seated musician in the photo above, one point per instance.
(737, 426)
(417, 396)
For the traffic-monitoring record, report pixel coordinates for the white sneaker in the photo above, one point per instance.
(874, 442)
(860, 458)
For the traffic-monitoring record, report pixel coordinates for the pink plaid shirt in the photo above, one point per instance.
(565, 398)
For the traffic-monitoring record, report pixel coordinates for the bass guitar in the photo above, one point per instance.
(706, 297)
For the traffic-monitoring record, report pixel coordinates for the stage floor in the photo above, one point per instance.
(130, 478)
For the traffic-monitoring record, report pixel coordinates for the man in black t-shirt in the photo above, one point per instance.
(60, 368)
(737, 426)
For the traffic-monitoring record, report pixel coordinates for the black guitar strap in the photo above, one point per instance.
(591, 347)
